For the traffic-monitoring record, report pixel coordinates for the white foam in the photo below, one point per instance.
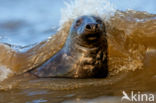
(76, 8)
(4, 72)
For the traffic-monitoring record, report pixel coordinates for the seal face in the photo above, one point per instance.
(84, 54)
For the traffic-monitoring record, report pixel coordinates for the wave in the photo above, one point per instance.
(130, 34)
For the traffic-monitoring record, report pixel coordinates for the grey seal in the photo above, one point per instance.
(84, 54)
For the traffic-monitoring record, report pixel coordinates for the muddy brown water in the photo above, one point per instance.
(132, 67)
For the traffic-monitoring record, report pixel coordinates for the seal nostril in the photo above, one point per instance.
(88, 27)
(96, 26)
(92, 26)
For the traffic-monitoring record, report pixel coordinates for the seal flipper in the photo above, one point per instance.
(57, 66)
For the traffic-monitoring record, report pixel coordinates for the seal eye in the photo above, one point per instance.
(78, 22)
(99, 21)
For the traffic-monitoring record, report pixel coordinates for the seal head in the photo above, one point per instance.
(84, 54)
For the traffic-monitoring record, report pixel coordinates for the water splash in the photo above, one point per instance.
(76, 8)
(4, 72)
(20, 48)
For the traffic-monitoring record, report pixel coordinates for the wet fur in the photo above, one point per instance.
(80, 57)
